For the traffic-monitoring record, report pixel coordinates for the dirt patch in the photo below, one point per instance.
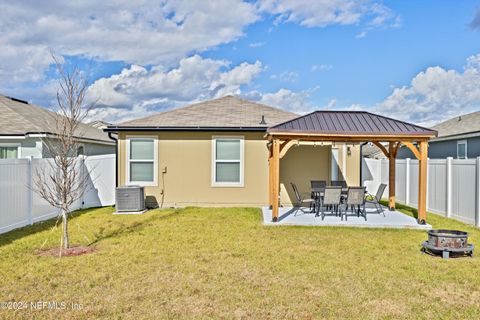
(453, 295)
(70, 252)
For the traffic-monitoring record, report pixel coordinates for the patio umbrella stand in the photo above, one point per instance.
(448, 243)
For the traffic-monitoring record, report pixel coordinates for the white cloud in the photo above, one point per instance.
(147, 32)
(286, 76)
(322, 13)
(361, 35)
(256, 44)
(321, 67)
(436, 94)
(298, 102)
(136, 91)
(138, 32)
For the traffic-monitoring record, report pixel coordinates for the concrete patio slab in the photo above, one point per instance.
(392, 219)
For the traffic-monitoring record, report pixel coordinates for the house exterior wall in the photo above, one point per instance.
(187, 158)
(300, 165)
(352, 175)
(444, 149)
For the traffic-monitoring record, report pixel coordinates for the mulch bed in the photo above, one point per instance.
(70, 252)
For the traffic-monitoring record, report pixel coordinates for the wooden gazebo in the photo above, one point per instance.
(351, 127)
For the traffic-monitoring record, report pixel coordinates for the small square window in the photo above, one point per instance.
(227, 161)
(462, 149)
(8, 152)
(141, 161)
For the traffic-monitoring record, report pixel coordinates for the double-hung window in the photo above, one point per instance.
(142, 161)
(227, 161)
(462, 149)
(9, 151)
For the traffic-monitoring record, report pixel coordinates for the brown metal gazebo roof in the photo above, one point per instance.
(349, 123)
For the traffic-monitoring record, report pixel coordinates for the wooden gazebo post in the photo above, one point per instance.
(421, 153)
(275, 178)
(422, 182)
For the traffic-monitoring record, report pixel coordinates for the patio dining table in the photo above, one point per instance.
(317, 195)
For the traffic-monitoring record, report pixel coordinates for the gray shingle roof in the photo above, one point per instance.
(349, 123)
(225, 112)
(459, 125)
(18, 118)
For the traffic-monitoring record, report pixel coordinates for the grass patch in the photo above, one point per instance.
(223, 263)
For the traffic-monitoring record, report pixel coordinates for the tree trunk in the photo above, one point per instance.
(65, 229)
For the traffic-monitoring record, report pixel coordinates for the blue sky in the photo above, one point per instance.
(415, 60)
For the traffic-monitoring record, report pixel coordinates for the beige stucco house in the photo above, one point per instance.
(215, 153)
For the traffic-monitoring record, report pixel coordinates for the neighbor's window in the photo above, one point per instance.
(141, 158)
(462, 149)
(227, 164)
(8, 152)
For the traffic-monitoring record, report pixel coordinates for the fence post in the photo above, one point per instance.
(82, 177)
(448, 198)
(407, 181)
(30, 189)
(477, 195)
(428, 181)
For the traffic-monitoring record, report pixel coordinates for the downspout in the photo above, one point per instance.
(116, 157)
(361, 162)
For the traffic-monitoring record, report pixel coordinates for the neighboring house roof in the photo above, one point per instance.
(228, 112)
(350, 123)
(19, 118)
(461, 125)
(372, 151)
(99, 124)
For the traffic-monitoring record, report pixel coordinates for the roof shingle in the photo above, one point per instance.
(467, 123)
(18, 118)
(228, 111)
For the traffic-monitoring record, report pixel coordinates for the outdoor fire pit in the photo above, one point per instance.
(448, 242)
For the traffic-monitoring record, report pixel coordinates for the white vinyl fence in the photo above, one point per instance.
(453, 185)
(21, 206)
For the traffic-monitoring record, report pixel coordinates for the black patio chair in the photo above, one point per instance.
(331, 200)
(375, 199)
(318, 184)
(302, 199)
(338, 183)
(355, 200)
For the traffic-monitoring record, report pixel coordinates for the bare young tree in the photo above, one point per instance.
(62, 183)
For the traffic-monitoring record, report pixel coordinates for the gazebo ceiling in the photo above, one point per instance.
(349, 124)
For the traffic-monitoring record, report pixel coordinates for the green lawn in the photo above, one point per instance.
(223, 263)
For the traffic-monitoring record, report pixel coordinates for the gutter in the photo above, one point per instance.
(52, 136)
(198, 128)
(116, 157)
(457, 136)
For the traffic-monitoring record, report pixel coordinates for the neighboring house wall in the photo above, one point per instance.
(29, 147)
(34, 147)
(187, 159)
(444, 149)
(89, 149)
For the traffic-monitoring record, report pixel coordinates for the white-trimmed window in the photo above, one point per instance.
(10, 151)
(227, 161)
(142, 160)
(462, 149)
